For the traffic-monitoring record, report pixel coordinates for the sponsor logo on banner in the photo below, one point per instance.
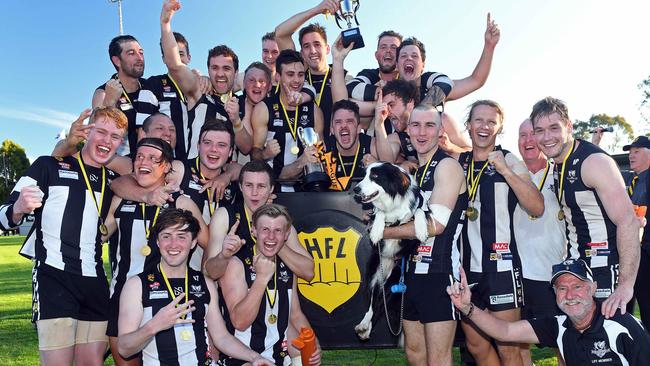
(336, 272)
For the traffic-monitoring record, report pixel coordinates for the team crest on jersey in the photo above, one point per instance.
(276, 108)
(600, 349)
(150, 277)
(304, 120)
(284, 276)
(337, 277)
(571, 176)
(490, 170)
(197, 290)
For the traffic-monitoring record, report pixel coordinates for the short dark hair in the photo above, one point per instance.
(389, 33)
(548, 106)
(115, 47)
(403, 89)
(260, 66)
(223, 50)
(257, 166)
(270, 36)
(428, 108)
(287, 57)
(159, 144)
(347, 105)
(180, 39)
(176, 217)
(272, 210)
(146, 124)
(213, 124)
(485, 102)
(312, 28)
(412, 41)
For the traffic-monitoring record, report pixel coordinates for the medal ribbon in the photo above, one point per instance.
(126, 95)
(561, 188)
(178, 90)
(424, 173)
(541, 184)
(169, 287)
(322, 87)
(354, 164)
(147, 229)
(211, 206)
(275, 273)
(473, 182)
(90, 190)
(292, 127)
(630, 189)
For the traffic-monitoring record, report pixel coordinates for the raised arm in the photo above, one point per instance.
(387, 146)
(600, 172)
(260, 121)
(186, 79)
(286, 29)
(224, 243)
(481, 72)
(186, 203)
(339, 53)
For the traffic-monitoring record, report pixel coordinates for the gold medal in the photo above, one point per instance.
(295, 150)
(272, 319)
(224, 98)
(531, 217)
(103, 229)
(471, 213)
(186, 335)
(560, 215)
(145, 250)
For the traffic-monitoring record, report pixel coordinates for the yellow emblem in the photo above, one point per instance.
(336, 272)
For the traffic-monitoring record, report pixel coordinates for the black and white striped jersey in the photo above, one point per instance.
(489, 243)
(182, 344)
(440, 253)
(65, 234)
(363, 86)
(590, 233)
(208, 106)
(160, 93)
(619, 340)
(278, 128)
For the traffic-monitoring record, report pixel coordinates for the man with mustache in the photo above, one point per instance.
(122, 89)
(582, 334)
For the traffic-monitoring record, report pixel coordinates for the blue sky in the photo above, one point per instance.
(592, 54)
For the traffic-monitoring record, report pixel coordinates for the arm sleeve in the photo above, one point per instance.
(546, 330)
(36, 175)
(440, 80)
(635, 345)
(363, 86)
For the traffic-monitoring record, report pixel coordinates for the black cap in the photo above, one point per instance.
(576, 267)
(640, 141)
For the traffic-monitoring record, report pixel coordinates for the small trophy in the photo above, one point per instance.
(315, 178)
(348, 11)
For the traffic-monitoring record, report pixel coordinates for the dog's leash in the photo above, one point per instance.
(397, 288)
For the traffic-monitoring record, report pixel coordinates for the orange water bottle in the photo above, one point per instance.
(306, 343)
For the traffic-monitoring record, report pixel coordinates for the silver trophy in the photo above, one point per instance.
(348, 11)
(315, 178)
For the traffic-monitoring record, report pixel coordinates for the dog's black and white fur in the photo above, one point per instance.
(396, 200)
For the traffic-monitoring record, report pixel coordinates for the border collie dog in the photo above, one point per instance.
(396, 200)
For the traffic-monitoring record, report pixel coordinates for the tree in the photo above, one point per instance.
(623, 131)
(644, 106)
(13, 164)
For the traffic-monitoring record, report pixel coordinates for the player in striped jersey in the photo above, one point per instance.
(165, 310)
(496, 181)
(429, 330)
(70, 199)
(601, 226)
(260, 292)
(222, 64)
(133, 220)
(122, 89)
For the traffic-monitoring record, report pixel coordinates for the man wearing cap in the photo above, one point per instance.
(582, 334)
(638, 186)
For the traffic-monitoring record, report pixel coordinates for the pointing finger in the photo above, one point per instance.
(234, 227)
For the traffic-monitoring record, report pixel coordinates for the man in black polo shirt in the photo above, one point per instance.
(582, 334)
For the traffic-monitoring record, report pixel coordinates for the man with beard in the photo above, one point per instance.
(541, 240)
(496, 182)
(256, 182)
(156, 321)
(275, 123)
(429, 330)
(223, 64)
(136, 248)
(314, 50)
(122, 89)
(70, 199)
(582, 334)
(260, 290)
(601, 226)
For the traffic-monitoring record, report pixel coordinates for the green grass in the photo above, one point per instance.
(19, 343)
